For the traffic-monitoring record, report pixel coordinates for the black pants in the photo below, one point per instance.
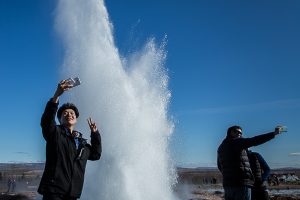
(57, 197)
(259, 193)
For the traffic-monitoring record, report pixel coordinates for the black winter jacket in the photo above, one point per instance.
(65, 165)
(233, 160)
(255, 167)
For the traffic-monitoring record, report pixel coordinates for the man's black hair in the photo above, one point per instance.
(67, 106)
(232, 128)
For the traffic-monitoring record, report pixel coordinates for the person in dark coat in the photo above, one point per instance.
(261, 172)
(67, 151)
(234, 164)
(9, 184)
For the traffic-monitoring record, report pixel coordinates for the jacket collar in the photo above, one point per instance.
(67, 132)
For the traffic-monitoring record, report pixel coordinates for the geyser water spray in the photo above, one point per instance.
(128, 103)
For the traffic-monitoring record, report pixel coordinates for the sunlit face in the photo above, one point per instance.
(68, 118)
(237, 133)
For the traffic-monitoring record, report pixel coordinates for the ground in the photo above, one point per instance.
(193, 184)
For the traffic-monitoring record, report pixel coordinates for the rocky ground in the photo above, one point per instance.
(196, 196)
(220, 196)
(215, 192)
(208, 196)
(285, 198)
(13, 196)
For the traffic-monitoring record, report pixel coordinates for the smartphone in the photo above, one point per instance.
(74, 81)
(283, 129)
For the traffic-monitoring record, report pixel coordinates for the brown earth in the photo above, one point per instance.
(202, 179)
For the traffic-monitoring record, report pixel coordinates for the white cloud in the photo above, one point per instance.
(295, 154)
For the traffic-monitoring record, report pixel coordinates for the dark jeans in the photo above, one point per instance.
(259, 193)
(57, 197)
(237, 193)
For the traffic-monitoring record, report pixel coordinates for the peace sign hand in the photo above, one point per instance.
(92, 125)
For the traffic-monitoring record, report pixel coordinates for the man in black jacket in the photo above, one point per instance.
(234, 164)
(66, 151)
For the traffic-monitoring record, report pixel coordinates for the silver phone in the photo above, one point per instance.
(74, 81)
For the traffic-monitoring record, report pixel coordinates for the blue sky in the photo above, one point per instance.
(229, 62)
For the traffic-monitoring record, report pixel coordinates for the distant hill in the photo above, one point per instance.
(21, 166)
(40, 166)
(287, 169)
(197, 169)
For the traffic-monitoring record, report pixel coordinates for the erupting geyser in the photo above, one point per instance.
(129, 104)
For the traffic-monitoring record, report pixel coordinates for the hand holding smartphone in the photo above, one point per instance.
(281, 129)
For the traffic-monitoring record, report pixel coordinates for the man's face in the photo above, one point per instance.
(237, 133)
(68, 118)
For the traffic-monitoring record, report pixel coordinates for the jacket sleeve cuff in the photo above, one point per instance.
(52, 103)
(95, 137)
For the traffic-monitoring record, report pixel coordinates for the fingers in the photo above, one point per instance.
(92, 124)
(278, 130)
(89, 120)
(62, 86)
(65, 85)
